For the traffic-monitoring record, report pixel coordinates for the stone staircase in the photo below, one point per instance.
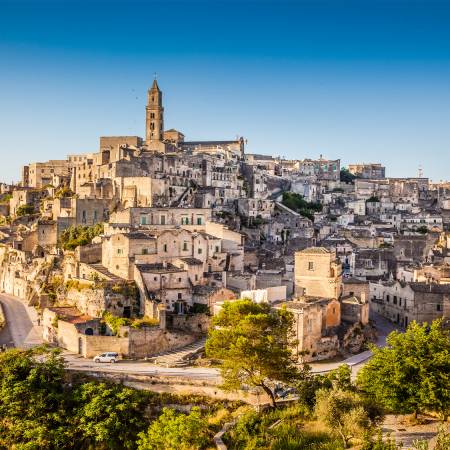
(179, 357)
(105, 272)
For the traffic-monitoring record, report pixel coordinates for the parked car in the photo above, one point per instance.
(109, 357)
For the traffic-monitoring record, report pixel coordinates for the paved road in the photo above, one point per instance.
(22, 330)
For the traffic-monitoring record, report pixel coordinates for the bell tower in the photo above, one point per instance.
(154, 122)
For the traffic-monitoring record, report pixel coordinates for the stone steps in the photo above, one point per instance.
(179, 357)
(104, 271)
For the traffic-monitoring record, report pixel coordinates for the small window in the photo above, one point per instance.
(199, 251)
(310, 265)
(199, 220)
(165, 248)
(438, 307)
(185, 246)
(180, 296)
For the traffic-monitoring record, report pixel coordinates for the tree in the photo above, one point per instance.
(297, 203)
(25, 210)
(342, 412)
(346, 176)
(254, 345)
(175, 431)
(32, 400)
(73, 237)
(412, 372)
(107, 416)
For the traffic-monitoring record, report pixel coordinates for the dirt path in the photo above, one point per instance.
(406, 434)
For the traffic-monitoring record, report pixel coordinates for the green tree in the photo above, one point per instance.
(32, 399)
(346, 176)
(253, 343)
(297, 203)
(25, 210)
(176, 431)
(412, 372)
(73, 237)
(107, 416)
(343, 413)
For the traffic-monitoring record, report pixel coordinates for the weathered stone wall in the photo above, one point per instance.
(150, 341)
(194, 323)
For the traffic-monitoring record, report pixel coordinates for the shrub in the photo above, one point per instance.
(25, 210)
(297, 203)
(74, 237)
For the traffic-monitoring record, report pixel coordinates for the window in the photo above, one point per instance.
(199, 251)
(310, 265)
(387, 298)
(165, 247)
(163, 220)
(395, 299)
(145, 251)
(438, 307)
(196, 277)
(179, 280)
(185, 246)
(217, 249)
(120, 251)
(199, 220)
(143, 220)
(180, 296)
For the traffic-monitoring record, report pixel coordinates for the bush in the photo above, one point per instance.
(25, 210)
(74, 237)
(174, 430)
(115, 322)
(297, 203)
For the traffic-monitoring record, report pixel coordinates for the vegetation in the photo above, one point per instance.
(78, 236)
(343, 413)
(297, 203)
(40, 409)
(176, 431)
(64, 191)
(5, 198)
(25, 210)
(346, 176)
(373, 199)
(412, 373)
(114, 322)
(253, 343)
(423, 229)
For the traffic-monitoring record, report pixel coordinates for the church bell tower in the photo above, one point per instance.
(154, 123)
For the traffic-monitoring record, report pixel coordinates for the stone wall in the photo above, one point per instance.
(193, 323)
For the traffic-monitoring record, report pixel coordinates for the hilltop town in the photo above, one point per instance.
(134, 247)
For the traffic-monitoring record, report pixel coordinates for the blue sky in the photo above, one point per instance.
(357, 80)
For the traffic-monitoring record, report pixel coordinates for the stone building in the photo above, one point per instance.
(403, 303)
(371, 171)
(318, 273)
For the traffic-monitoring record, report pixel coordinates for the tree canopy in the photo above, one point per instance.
(412, 373)
(75, 236)
(298, 204)
(253, 343)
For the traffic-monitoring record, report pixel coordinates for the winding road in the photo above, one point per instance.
(23, 331)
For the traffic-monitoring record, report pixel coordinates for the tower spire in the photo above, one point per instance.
(154, 123)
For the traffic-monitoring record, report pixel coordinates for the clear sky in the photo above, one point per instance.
(364, 81)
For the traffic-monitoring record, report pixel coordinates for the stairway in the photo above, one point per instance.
(179, 357)
(105, 272)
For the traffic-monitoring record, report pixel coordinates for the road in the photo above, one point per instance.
(22, 331)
